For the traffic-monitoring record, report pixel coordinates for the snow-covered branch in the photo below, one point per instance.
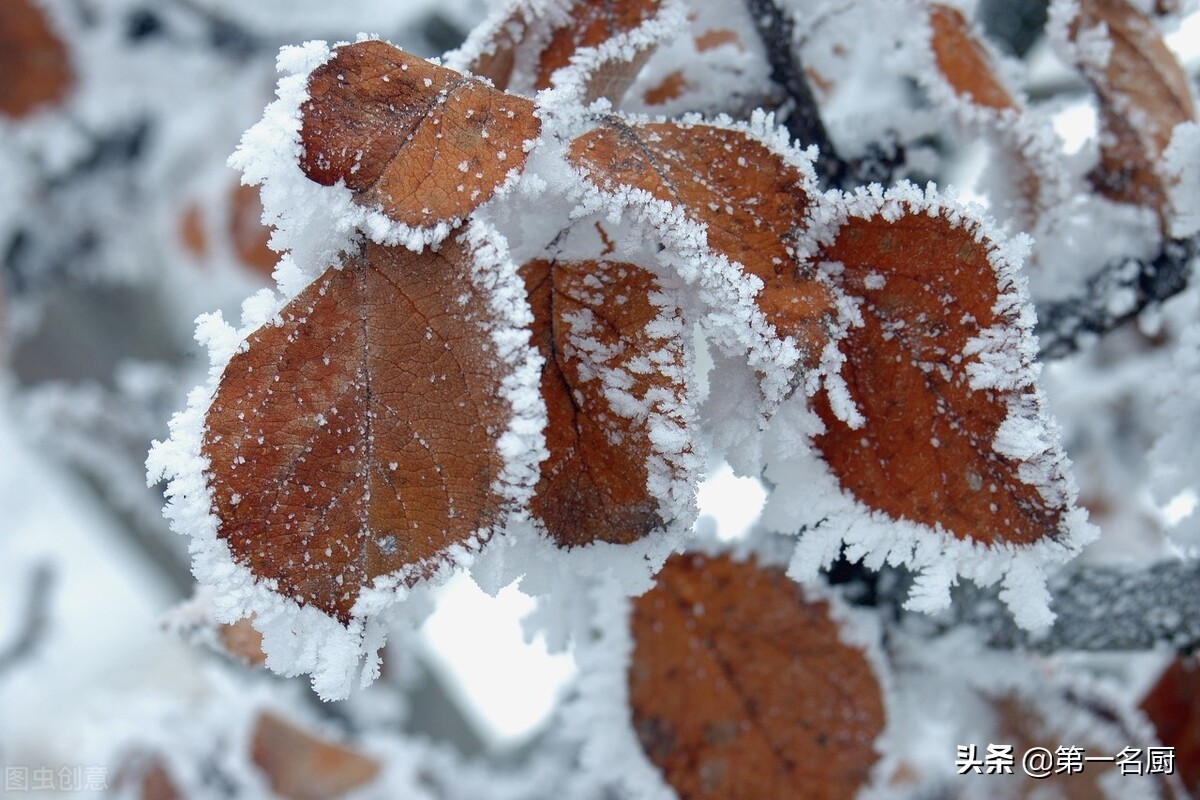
(1117, 293)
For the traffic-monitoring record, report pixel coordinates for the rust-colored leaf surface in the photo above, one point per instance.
(669, 88)
(741, 689)
(591, 24)
(301, 766)
(1173, 705)
(358, 436)
(424, 144)
(749, 199)
(593, 485)
(963, 60)
(241, 641)
(33, 60)
(1143, 95)
(926, 452)
(249, 236)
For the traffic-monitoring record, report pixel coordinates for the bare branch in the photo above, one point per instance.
(1113, 296)
(1101, 608)
(802, 118)
(35, 621)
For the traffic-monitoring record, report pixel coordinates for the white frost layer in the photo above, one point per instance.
(1175, 460)
(808, 498)
(300, 639)
(1182, 169)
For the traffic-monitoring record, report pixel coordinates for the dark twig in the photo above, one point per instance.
(1101, 609)
(803, 118)
(35, 621)
(1116, 294)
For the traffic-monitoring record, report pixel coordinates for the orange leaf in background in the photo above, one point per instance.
(750, 199)
(591, 24)
(588, 25)
(925, 453)
(33, 60)
(742, 689)
(1173, 705)
(249, 236)
(424, 144)
(964, 62)
(669, 88)
(1143, 95)
(593, 485)
(357, 437)
(241, 641)
(300, 766)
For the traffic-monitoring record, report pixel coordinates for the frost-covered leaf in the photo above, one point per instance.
(301, 766)
(964, 62)
(613, 383)
(1173, 705)
(424, 144)
(941, 423)
(1143, 95)
(241, 641)
(33, 60)
(748, 197)
(357, 436)
(599, 37)
(247, 233)
(743, 688)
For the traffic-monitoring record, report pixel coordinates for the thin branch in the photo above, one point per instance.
(1113, 296)
(1101, 609)
(803, 118)
(35, 621)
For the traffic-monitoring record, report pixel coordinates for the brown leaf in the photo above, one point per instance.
(750, 199)
(742, 689)
(357, 437)
(249, 236)
(964, 62)
(925, 453)
(669, 88)
(591, 24)
(1143, 95)
(301, 766)
(191, 231)
(593, 486)
(552, 45)
(1173, 705)
(33, 60)
(717, 37)
(424, 144)
(241, 641)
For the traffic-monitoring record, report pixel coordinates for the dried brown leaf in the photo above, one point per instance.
(1173, 705)
(301, 766)
(1143, 95)
(593, 486)
(592, 23)
(240, 640)
(742, 689)
(669, 88)
(424, 144)
(749, 198)
(925, 452)
(357, 437)
(33, 60)
(964, 62)
(249, 235)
